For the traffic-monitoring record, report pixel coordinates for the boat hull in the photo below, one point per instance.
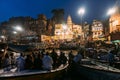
(43, 76)
(95, 74)
(48, 75)
(116, 64)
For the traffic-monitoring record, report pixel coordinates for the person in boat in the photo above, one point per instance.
(42, 52)
(55, 58)
(1, 58)
(20, 62)
(62, 59)
(38, 62)
(47, 62)
(3, 52)
(28, 62)
(6, 63)
(71, 56)
(12, 60)
(78, 57)
(111, 58)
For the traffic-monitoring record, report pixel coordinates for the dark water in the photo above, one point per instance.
(72, 74)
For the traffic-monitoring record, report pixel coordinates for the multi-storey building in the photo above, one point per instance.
(69, 30)
(29, 25)
(114, 25)
(66, 31)
(42, 28)
(97, 30)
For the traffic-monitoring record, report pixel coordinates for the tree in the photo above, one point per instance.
(50, 27)
(106, 26)
(58, 15)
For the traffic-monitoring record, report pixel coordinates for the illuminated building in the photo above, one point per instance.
(66, 31)
(97, 30)
(72, 31)
(114, 25)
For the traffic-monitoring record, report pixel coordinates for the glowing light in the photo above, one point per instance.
(3, 37)
(64, 27)
(111, 11)
(81, 11)
(14, 32)
(58, 33)
(18, 28)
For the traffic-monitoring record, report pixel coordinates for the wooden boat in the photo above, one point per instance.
(116, 63)
(34, 74)
(91, 70)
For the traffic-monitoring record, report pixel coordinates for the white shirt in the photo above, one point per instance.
(47, 62)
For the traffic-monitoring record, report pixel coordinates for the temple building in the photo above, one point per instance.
(66, 31)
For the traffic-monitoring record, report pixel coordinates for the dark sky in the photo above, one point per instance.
(95, 9)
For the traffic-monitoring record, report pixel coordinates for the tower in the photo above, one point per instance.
(69, 22)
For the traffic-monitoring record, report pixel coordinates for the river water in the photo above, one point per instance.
(70, 75)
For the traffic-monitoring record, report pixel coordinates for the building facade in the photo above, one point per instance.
(114, 25)
(66, 31)
(97, 30)
(41, 29)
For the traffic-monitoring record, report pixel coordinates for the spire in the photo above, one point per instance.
(69, 20)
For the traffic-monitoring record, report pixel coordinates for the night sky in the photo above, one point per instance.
(95, 9)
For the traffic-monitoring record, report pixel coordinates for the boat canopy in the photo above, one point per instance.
(18, 48)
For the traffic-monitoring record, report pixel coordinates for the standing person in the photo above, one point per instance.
(20, 62)
(47, 62)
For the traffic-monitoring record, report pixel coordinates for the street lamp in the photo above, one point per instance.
(81, 12)
(111, 11)
(18, 28)
(3, 38)
(14, 32)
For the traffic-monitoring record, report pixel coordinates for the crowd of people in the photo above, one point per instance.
(41, 60)
(103, 54)
(44, 60)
